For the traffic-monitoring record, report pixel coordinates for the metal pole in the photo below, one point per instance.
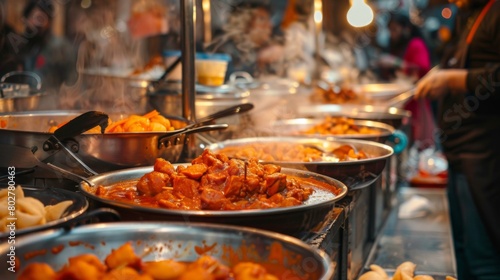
(188, 49)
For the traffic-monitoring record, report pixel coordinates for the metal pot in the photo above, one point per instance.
(102, 152)
(178, 241)
(19, 97)
(356, 174)
(303, 217)
(208, 99)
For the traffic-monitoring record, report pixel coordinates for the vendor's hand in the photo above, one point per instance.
(270, 54)
(442, 82)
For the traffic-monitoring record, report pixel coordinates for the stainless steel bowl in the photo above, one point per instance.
(177, 241)
(295, 127)
(356, 174)
(393, 116)
(53, 196)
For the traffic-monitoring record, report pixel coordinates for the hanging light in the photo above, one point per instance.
(360, 14)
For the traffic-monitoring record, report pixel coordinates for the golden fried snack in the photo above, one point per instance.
(123, 256)
(56, 211)
(165, 269)
(379, 270)
(18, 193)
(29, 211)
(149, 122)
(405, 271)
(37, 271)
(251, 271)
(371, 275)
(127, 266)
(81, 270)
(122, 273)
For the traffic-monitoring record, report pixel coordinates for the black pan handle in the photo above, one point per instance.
(178, 138)
(81, 124)
(75, 127)
(233, 110)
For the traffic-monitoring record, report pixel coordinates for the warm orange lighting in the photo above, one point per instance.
(446, 13)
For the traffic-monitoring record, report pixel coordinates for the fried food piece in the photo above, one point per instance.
(371, 275)
(251, 271)
(153, 183)
(29, 212)
(122, 273)
(80, 269)
(54, 212)
(405, 271)
(378, 269)
(164, 270)
(90, 259)
(37, 271)
(123, 256)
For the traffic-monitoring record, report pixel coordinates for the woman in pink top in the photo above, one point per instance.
(409, 54)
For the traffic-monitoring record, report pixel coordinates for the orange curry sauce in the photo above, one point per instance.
(214, 182)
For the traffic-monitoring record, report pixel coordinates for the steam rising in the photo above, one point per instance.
(106, 59)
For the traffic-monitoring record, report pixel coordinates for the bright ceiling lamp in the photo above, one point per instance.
(360, 14)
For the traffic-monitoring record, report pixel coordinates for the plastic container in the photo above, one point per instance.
(211, 68)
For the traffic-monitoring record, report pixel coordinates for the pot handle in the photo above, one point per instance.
(73, 128)
(30, 74)
(82, 123)
(169, 140)
(399, 141)
(233, 110)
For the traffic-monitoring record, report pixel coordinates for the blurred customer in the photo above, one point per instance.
(247, 37)
(49, 56)
(409, 54)
(468, 89)
(300, 38)
(407, 50)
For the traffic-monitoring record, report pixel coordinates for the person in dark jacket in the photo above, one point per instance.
(49, 56)
(468, 90)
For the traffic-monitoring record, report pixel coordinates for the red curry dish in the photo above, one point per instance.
(214, 182)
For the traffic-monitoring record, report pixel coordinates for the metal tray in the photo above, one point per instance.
(356, 174)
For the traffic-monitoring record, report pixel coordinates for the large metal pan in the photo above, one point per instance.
(395, 117)
(290, 220)
(356, 174)
(286, 256)
(295, 128)
(102, 152)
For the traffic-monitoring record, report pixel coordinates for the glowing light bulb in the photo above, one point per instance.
(360, 14)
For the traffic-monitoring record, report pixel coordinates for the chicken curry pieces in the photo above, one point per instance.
(214, 182)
